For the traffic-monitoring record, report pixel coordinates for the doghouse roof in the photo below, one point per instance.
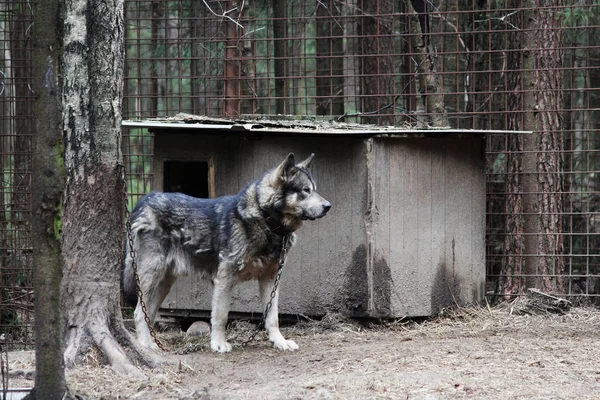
(285, 125)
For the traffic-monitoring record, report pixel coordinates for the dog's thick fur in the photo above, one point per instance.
(229, 239)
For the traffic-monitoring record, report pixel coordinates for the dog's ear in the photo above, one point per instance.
(306, 163)
(283, 170)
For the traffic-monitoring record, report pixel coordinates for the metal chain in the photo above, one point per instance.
(138, 287)
(284, 249)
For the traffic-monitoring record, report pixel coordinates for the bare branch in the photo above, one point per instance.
(224, 15)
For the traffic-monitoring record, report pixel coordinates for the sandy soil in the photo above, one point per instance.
(468, 353)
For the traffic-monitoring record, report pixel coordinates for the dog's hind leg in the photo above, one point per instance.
(266, 285)
(221, 301)
(156, 283)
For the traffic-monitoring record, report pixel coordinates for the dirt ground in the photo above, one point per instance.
(468, 353)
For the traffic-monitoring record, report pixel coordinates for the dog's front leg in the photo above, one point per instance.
(272, 320)
(221, 301)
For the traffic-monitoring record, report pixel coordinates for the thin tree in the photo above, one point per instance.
(430, 97)
(92, 69)
(330, 63)
(377, 44)
(231, 78)
(248, 84)
(279, 52)
(47, 188)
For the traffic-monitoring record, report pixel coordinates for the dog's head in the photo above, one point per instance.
(294, 192)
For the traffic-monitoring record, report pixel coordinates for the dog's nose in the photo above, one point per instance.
(326, 206)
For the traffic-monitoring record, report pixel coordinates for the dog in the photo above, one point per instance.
(229, 239)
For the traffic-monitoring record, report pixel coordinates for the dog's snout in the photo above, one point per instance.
(326, 206)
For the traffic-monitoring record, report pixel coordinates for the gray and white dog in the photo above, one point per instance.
(229, 239)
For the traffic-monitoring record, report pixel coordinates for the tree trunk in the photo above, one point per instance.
(295, 53)
(427, 82)
(92, 69)
(534, 184)
(204, 87)
(248, 62)
(376, 29)
(547, 34)
(47, 189)
(279, 46)
(232, 64)
(330, 62)
(351, 62)
(157, 59)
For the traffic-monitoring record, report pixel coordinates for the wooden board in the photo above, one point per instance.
(429, 196)
(405, 235)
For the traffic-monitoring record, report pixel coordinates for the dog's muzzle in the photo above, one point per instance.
(324, 208)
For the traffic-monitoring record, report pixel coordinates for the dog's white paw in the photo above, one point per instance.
(220, 346)
(283, 344)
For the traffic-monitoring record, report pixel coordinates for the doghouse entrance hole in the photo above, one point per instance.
(189, 177)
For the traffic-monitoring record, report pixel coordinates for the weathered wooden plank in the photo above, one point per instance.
(477, 171)
(460, 227)
(399, 257)
(380, 182)
(439, 194)
(409, 282)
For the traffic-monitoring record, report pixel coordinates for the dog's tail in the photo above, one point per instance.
(128, 279)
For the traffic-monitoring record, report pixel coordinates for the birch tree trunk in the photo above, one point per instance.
(92, 68)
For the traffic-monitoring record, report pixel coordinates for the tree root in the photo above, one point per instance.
(116, 356)
(122, 351)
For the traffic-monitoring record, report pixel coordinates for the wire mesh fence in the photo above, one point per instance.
(16, 96)
(462, 64)
(138, 157)
(494, 65)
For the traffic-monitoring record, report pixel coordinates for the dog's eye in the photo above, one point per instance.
(306, 190)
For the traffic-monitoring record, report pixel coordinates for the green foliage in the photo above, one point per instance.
(580, 14)
(58, 222)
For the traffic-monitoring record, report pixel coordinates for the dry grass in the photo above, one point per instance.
(462, 352)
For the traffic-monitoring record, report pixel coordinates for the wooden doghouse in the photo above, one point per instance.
(405, 236)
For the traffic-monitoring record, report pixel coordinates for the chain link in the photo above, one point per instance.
(138, 287)
(284, 249)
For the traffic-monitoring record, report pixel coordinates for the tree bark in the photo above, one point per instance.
(47, 189)
(534, 185)
(279, 50)
(549, 103)
(376, 29)
(330, 63)
(92, 68)
(232, 64)
(351, 61)
(248, 62)
(295, 52)
(430, 101)
(157, 64)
